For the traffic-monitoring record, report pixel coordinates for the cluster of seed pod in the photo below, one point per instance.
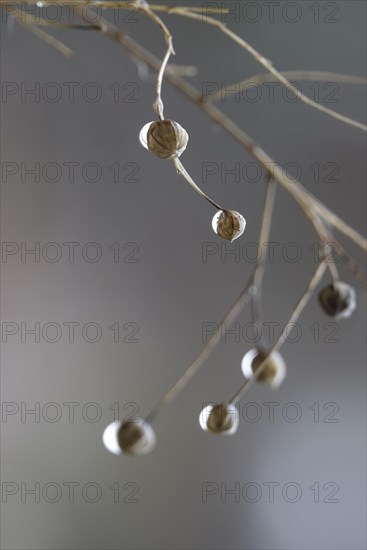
(168, 140)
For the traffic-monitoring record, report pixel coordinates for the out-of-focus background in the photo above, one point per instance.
(127, 277)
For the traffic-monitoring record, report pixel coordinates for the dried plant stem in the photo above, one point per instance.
(43, 35)
(182, 172)
(304, 198)
(341, 253)
(324, 236)
(110, 4)
(317, 212)
(301, 304)
(256, 289)
(229, 318)
(295, 75)
(143, 6)
(267, 64)
(203, 355)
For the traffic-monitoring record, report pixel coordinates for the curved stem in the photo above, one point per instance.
(182, 171)
(200, 359)
(268, 65)
(144, 7)
(259, 79)
(304, 198)
(317, 276)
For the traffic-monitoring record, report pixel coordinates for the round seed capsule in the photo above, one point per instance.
(220, 418)
(272, 374)
(134, 437)
(165, 138)
(228, 224)
(338, 300)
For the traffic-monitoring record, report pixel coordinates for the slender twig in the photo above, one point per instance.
(43, 35)
(256, 289)
(267, 64)
(125, 5)
(143, 6)
(324, 236)
(200, 359)
(301, 304)
(304, 198)
(256, 80)
(315, 210)
(183, 172)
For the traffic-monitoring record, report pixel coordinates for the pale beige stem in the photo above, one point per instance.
(29, 23)
(203, 355)
(301, 304)
(267, 64)
(305, 199)
(183, 172)
(259, 79)
(144, 7)
(256, 290)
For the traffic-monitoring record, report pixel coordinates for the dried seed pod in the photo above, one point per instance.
(220, 418)
(272, 374)
(228, 224)
(134, 437)
(165, 138)
(338, 300)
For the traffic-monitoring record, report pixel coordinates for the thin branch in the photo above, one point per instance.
(199, 361)
(324, 236)
(182, 172)
(143, 6)
(43, 35)
(256, 290)
(310, 205)
(267, 64)
(259, 79)
(304, 198)
(28, 18)
(125, 5)
(301, 304)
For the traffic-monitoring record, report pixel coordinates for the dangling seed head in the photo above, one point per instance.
(221, 418)
(228, 224)
(165, 138)
(134, 437)
(338, 300)
(272, 374)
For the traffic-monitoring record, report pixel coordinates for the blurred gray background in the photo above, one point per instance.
(159, 292)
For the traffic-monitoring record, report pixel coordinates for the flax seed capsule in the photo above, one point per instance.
(228, 224)
(165, 138)
(272, 374)
(338, 300)
(134, 437)
(221, 418)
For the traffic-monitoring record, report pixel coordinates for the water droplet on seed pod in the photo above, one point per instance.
(272, 374)
(228, 224)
